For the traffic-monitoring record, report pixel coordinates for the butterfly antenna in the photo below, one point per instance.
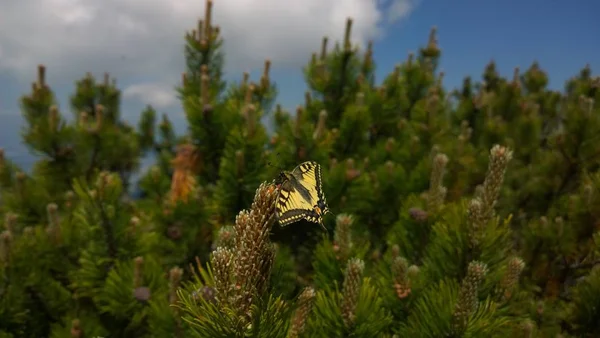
(270, 164)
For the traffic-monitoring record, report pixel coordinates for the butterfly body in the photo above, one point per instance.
(301, 195)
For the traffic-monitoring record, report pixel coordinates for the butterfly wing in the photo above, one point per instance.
(309, 175)
(292, 204)
(301, 195)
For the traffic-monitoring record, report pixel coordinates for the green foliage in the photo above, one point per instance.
(464, 213)
(327, 319)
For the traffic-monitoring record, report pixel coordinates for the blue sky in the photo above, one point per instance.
(562, 36)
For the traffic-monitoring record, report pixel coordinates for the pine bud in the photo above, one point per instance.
(376, 255)
(106, 82)
(142, 293)
(298, 125)
(389, 144)
(155, 173)
(99, 117)
(428, 66)
(250, 119)
(221, 260)
(333, 162)
(397, 72)
(138, 264)
(437, 193)
(20, 176)
(395, 250)
(418, 215)
(335, 133)
(516, 82)
(360, 80)
(351, 289)
(204, 88)
(225, 237)
(474, 215)
(207, 293)
(10, 220)
(478, 194)
(20, 183)
(53, 119)
(301, 153)
(390, 167)
(528, 328)
(76, 330)
(5, 246)
(324, 48)
(83, 119)
(499, 158)
(250, 90)
(413, 272)
(307, 99)
(41, 80)
(239, 163)
(373, 180)
(342, 238)
(511, 277)
(435, 150)
(588, 194)
(399, 274)
(432, 42)
(174, 278)
(467, 296)
(104, 182)
(265, 83)
(382, 91)
(134, 222)
(360, 99)
(175, 231)
(399, 267)
(53, 230)
(198, 33)
(254, 253)
(321, 125)
(440, 80)
(544, 223)
(208, 17)
(414, 142)
(52, 209)
(465, 132)
(28, 231)
(351, 171)
(432, 101)
(368, 60)
(347, 42)
(184, 80)
(305, 302)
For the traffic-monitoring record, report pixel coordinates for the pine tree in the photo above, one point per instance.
(70, 235)
(464, 213)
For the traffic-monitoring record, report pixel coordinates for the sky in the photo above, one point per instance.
(140, 42)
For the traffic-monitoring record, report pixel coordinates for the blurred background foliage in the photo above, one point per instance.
(472, 212)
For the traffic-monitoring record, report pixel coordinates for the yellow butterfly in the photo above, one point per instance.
(301, 195)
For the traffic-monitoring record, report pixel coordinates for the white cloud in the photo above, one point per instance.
(141, 41)
(158, 95)
(399, 9)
